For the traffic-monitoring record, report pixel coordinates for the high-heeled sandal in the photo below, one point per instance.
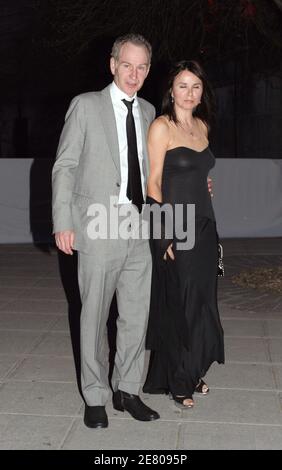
(179, 401)
(202, 388)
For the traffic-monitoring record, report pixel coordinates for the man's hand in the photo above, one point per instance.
(210, 186)
(64, 241)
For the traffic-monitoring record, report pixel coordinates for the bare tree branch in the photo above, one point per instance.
(278, 3)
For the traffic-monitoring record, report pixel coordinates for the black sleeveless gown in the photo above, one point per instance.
(184, 330)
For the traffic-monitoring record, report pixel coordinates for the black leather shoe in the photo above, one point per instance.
(95, 417)
(132, 403)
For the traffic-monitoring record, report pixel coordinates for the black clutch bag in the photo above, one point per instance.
(220, 266)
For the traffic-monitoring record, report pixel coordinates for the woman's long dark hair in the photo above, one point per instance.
(205, 110)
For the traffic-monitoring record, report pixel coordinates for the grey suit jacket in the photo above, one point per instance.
(87, 167)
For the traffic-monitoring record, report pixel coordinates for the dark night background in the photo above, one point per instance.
(52, 50)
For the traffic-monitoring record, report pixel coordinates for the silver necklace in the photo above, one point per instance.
(189, 130)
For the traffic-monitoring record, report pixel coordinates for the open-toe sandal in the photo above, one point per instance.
(179, 402)
(202, 388)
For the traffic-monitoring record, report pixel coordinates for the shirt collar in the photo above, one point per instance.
(118, 95)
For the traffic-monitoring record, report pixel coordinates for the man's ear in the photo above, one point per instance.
(112, 65)
(148, 70)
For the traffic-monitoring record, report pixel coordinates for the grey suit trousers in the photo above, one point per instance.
(124, 266)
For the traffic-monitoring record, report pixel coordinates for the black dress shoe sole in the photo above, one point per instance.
(152, 418)
(138, 418)
(92, 425)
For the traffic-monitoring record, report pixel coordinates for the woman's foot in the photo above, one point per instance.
(183, 402)
(202, 388)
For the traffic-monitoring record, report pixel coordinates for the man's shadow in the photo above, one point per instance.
(68, 273)
(40, 209)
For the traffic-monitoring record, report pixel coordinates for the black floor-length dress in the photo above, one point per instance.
(184, 331)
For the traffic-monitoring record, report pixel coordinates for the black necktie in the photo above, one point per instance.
(134, 186)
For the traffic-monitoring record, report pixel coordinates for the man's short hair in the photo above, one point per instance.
(136, 39)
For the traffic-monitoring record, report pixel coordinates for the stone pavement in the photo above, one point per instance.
(40, 406)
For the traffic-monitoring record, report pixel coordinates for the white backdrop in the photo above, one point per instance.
(247, 198)
(14, 200)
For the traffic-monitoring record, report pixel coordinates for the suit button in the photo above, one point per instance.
(118, 185)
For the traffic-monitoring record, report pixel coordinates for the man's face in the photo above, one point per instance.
(131, 68)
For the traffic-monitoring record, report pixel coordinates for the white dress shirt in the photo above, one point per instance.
(120, 111)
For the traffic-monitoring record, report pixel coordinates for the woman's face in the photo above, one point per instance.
(187, 90)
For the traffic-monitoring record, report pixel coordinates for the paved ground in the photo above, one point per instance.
(40, 407)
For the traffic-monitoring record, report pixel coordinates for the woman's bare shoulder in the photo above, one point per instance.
(161, 122)
(160, 127)
(203, 126)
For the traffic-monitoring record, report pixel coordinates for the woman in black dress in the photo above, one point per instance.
(184, 331)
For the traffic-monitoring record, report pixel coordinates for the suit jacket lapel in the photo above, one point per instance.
(109, 123)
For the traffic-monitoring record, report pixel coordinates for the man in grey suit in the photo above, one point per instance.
(103, 137)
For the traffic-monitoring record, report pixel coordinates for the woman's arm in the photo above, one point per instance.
(158, 143)
(158, 140)
(205, 131)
